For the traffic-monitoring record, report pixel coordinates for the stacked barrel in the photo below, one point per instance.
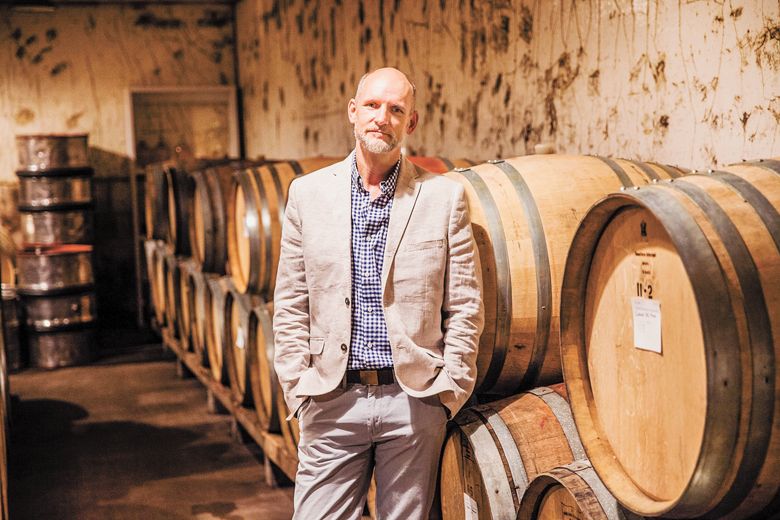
(212, 249)
(54, 266)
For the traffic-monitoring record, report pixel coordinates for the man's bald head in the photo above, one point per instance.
(387, 73)
(382, 111)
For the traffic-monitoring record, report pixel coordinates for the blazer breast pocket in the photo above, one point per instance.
(419, 270)
(425, 244)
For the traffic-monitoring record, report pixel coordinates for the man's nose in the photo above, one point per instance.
(382, 115)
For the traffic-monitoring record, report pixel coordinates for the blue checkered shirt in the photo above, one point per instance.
(370, 348)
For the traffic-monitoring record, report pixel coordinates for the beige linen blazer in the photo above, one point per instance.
(431, 287)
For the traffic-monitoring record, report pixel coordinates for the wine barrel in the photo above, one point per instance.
(184, 305)
(61, 347)
(150, 248)
(172, 290)
(13, 351)
(51, 151)
(199, 309)
(207, 220)
(156, 251)
(260, 351)
(55, 189)
(670, 318)
(220, 297)
(45, 312)
(155, 201)
(571, 491)
(524, 213)
(237, 345)
(494, 450)
(440, 164)
(49, 225)
(207, 225)
(254, 221)
(49, 269)
(179, 188)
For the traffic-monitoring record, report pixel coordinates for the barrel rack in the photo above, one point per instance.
(245, 423)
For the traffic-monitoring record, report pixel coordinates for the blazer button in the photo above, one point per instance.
(346, 300)
(343, 347)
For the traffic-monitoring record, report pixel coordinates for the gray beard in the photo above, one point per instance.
(376, 145)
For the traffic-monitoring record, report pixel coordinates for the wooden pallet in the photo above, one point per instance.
(246, 421)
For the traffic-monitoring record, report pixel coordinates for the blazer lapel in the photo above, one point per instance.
(342, 210)
(406, 192)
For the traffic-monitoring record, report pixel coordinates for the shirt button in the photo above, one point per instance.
(346, 301)
(343, 347)
(370, 345)
(370, 311)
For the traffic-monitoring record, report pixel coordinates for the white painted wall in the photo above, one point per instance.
(695, 83)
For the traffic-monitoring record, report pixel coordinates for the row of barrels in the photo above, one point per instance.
(207, 253)
(229, 331)
(227, 217)
(678, 417)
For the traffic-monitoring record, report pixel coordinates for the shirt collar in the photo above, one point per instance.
(387, 186)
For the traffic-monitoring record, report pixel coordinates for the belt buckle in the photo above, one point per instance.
(369, 377)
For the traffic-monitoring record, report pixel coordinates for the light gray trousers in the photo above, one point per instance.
(346, 434)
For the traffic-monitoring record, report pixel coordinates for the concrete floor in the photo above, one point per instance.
(129, 440)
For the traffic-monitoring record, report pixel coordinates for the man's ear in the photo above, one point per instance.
(412, 122)
(352, 110)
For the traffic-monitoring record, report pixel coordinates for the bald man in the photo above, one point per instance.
(378, 312)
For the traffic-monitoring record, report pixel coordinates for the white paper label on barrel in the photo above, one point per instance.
(647, 324)
(471, 510)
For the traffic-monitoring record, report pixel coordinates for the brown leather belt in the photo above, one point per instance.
(382, 376)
